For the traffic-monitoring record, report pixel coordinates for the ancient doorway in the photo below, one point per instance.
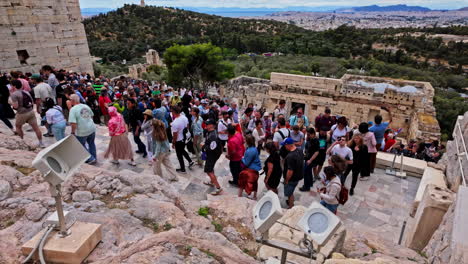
(295, 106)
(372, 114)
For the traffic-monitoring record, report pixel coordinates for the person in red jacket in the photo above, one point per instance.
(235, 151)
(104, 102)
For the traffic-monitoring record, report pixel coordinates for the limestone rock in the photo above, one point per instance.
(35, 211)
(82, 196)
(25, 181)
(370, 246)
(10, 175)
(5, 190)
(159, 212)
(358, 261)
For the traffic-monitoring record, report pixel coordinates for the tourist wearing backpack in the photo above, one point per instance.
(55, 119)
(23, 103)
(330, 194)
(280, 135)
(213, 149)
(179, 132)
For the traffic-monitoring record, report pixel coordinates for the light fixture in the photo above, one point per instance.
(266, 212)
(319, 223)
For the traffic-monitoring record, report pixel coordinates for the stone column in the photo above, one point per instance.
(434, 204)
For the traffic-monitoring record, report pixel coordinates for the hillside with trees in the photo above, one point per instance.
(238, 44)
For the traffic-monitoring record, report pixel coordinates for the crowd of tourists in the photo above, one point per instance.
(200, 129)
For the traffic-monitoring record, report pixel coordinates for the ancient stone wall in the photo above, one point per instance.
(38, 32)
(152, 58)
(359, 98)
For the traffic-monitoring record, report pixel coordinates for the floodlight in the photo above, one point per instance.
(58, 161)
(319, 223)
(266, 212)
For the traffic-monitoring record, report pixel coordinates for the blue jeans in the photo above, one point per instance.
(332, 207)
(58, 129)
(91, 146)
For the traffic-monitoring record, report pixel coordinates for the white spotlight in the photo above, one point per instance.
(319, 223)
(266, 212)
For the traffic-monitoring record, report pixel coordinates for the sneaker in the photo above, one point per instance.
(93, 162)
(191, 164)
(48, 135)
(181, 171)
(145, 155)
(132, 163)
(366, 178)
(217, 192)
(351, 192)
(116, 162)
(303, 189)
(41, 145)
(138, 152)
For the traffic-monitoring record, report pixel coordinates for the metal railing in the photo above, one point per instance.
(463, 154)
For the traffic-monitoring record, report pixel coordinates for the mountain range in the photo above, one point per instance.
(391, 8)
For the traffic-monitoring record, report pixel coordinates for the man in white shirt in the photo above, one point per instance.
(41, 92)
(339, 148)
(282, 132)
(222, 127)
(178, 138)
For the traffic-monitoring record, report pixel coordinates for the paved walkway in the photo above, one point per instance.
(379, 205)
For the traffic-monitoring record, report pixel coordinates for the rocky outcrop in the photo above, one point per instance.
(371, 247)
(143, 217)
(450, 158)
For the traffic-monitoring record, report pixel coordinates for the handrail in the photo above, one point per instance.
(459, 155)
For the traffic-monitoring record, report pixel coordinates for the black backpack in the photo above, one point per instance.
(27, 100)
(283, 152)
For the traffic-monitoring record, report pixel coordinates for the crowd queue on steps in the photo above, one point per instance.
(200, 128)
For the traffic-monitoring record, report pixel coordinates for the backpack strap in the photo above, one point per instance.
(281, 133)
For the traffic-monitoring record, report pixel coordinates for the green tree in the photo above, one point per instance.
(197, 65)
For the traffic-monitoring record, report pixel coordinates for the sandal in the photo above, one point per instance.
(208, 183)
(217, 192)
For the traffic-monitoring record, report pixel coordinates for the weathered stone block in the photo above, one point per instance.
(431, 210)
(431, 176)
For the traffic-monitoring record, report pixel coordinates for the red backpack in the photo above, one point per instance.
(343, 195)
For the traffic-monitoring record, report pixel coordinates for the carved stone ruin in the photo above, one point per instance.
(35, 33)
(359, 98)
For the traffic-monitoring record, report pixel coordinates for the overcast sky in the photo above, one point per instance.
(440, 4)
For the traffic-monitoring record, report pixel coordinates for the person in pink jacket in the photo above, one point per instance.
(119, 146)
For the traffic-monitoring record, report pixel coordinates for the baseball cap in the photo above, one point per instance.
(266, 114)
(203, 101)
(36, 76)
(210, 122)
(288, 141)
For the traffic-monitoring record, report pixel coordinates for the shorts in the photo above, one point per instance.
(29, 117)
(211, 162)
(289, 188)
(320, 160)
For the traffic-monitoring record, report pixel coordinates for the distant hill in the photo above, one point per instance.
(392, 8)
(463, 9)
(130, 31)
(86, 12)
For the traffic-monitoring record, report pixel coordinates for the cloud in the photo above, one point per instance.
(441, 4)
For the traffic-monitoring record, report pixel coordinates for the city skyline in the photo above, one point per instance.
(274, 3)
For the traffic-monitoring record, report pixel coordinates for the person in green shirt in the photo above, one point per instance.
(97, 86)
(119, 103)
